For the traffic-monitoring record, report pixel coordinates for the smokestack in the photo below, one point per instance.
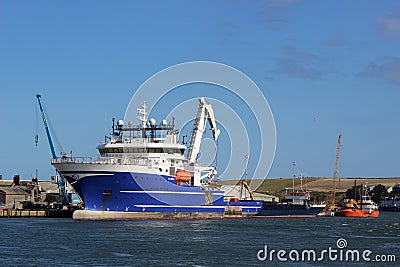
(355, 189)
(17, 179)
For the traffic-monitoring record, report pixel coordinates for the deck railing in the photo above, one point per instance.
(151, 163)
(102, 160)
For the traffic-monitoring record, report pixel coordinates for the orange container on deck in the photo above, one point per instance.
(182, 177)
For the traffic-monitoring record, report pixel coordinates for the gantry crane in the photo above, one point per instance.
(60, 182)
(336, 169)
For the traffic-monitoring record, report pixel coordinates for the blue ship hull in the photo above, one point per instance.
(288, 210)
(143, 192)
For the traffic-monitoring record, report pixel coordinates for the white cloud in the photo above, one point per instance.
(282, 3)
(336, 40)
(386, 69)
(298, 63)
(273, 10)
(301, 64)
(390, 25)
(296, 69)
(298, 54)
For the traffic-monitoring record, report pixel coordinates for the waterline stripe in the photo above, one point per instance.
(165, 206)
(82, 175)
(170, 192)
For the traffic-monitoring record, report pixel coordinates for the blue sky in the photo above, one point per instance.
(325, 67)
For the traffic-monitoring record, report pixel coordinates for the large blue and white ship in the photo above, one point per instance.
(142, 172)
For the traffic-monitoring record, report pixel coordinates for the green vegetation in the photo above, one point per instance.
(50, 198)
(273, 186)
(354, 195)
(321, 188)
(377, 193)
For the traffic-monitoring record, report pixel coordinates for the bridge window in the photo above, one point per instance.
(155, 150)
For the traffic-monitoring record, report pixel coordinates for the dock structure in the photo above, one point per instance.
(231, 212)
(11, 213)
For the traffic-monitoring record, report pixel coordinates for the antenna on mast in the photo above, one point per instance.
(142, 114)
(143, 118)
(294, 173)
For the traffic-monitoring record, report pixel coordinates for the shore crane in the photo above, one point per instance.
(246, 185)
(336, 169)
(204, 112)
(60, 182)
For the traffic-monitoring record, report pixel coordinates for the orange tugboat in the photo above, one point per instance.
(364, 208)
(349, 208)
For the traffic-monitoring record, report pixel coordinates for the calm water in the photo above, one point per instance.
(64, 242)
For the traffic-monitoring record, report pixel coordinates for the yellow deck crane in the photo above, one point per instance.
(246, 185)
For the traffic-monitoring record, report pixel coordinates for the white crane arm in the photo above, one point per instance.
(205, 111)
(211, 121)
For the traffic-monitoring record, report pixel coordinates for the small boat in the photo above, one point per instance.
(369, 207)
(390, 204)
(364, 208)
(349, 208)
(294, 204)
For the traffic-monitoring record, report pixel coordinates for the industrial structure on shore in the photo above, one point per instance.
(34, 198)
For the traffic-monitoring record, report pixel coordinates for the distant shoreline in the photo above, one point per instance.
(313, 184)
(317, 184)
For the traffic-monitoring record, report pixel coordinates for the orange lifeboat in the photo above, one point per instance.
(182, 177)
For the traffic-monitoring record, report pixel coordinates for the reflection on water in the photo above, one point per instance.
(64, 242)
